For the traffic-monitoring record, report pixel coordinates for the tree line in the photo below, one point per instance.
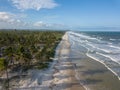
(23, 50)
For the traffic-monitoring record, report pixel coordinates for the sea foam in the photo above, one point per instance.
(99, 50)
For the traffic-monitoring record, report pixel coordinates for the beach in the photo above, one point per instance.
(71, 69)
(65, 78)
(59, 44)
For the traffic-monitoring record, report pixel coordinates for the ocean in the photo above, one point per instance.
(103, 47)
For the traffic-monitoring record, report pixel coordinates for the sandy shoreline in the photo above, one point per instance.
(64, 78)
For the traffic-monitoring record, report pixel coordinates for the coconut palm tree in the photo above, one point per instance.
(4, 65)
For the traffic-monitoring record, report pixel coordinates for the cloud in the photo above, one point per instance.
(9, 19)
(47, 25)
(39, 24)
(5, 17)
(34, 4)
(42, 25)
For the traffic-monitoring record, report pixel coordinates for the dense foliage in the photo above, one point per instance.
(27, 49)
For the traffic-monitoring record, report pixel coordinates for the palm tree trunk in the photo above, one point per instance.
(7, 79)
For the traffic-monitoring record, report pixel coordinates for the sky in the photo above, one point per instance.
(59, 14)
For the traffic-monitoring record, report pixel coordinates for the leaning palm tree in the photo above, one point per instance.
(4, 65)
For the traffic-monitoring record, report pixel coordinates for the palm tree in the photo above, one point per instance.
(4, 65)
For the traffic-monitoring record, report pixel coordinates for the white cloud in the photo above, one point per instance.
(34, 4)
(9, 19)
(39, 24)
(4, 16)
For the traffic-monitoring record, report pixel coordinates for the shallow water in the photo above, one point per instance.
(92, 74)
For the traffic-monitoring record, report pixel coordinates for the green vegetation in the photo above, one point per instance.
(23, 50)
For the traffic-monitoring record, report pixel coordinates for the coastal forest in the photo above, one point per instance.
(24, 50)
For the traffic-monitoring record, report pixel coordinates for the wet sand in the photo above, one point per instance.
(92, 74)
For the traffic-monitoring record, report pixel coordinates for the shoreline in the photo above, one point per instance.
(116, 74)
(102, 63)
(66, 69)
(91, 73)
(105, 66)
